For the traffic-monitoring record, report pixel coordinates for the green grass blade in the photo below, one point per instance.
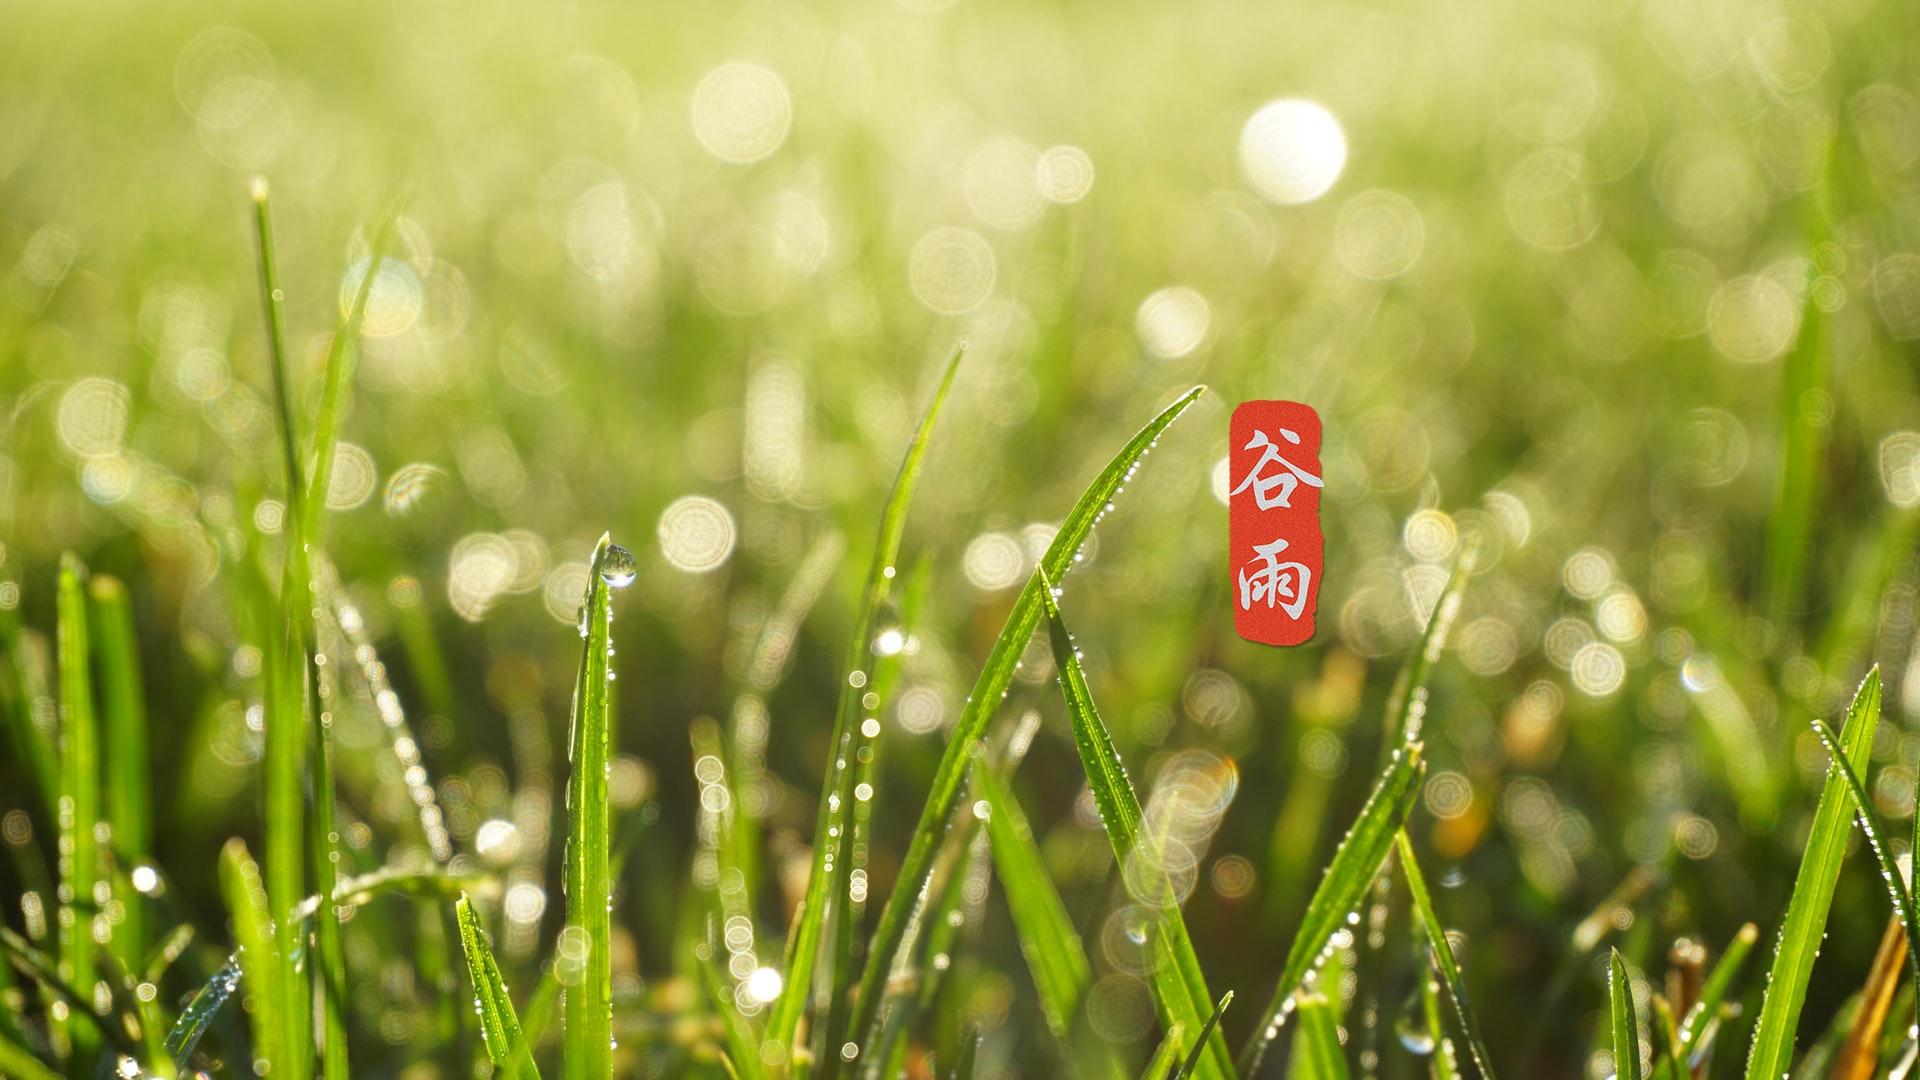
(198, 1016)
(1162, 1063)
(1699, 1018)
(1192, 1064)
(810, 917)
(258, 952)
(1316, 1042)
(16, 1062)
(79, 799)
(1443, 957)
(1445, 1064)
(32, 741)
(128, 792)
(1883, 854)
(988, 688)
(499, 1024)
(743, 1050)
(1625, 1021)
(1179, 987)
(1803, 376)
(1061, 971)
(44, 970)
(1771, 1053)
(1341, 890)
(587, 941)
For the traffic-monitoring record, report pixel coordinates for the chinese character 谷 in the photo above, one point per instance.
(1268, 580)
(1288, 477)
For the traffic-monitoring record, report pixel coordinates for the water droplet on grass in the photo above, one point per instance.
(618, 568)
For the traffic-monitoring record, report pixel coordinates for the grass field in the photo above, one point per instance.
(624, 540)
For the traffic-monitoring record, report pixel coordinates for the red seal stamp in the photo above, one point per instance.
(1274, 546)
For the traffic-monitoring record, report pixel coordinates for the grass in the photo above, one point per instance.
(1610, 323)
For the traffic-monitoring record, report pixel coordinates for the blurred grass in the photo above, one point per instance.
(1564, 301)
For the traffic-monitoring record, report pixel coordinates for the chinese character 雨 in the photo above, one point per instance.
(1272, 580)
(1286, 478)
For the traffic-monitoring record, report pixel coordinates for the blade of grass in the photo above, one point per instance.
(499, 1024)
(1625, 1021)
(1699, 1019)
(1061, 971)
(260, 966)
(44, 970)
(1442, 954)
(123, 703)
(32, 742)
(1341, 890)
(1896, 882)
(1316, 1042)
(1445, 1064)
(1859, 1055)
(988, 688)
(1161, 1064)
(1192, 1063)
(1180, 989)
(1668, 1061)
(200, 1011)
(587, 941)
(805, 936)
(1771, 1052)
(1802, 378)
(79, 802)
(1407, 705)
(743, 1050)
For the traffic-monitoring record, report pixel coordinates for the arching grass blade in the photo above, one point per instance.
(1341, 890)
(587, 940)
(499, 1024)
(16, 1062)
(1883, 854)
(1442, 952)
(198, 1016)
(1180, 989)
(1625, 1021)
(810, 917)
(1771, 1052)
(995, 675)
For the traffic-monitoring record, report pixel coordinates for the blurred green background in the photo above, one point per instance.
(1627, 293)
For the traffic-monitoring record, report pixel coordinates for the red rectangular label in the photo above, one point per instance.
(1274, 547)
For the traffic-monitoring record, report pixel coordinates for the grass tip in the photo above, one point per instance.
(257, 188)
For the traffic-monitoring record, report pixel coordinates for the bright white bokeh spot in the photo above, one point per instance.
(696, 534)
(145, 879)
(1064, 173)
(1292, 151)
(741, 112)
(1173, 322)
(354, 477)
(92, 417)
(394, 304)
(764, 985)
(994, 561)
(1900, 468)
(951, 270)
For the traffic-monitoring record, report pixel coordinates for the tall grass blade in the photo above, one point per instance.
(804, 938)
(1341, 890)
(1443, 957)
(1407, 705)
(1803, 378)
(1192, 1064)
(499, 1024)
(258, 953)
(1179, 988)
(1771, 1052)
(1625, 1021)
(995, 675)
(1061, 971)
(1316, 1042)
(1896, 882)
(1701, 1017)
(79, 802)
(586, 943)
(128, 792)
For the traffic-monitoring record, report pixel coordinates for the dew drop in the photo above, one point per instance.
(618, 567)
